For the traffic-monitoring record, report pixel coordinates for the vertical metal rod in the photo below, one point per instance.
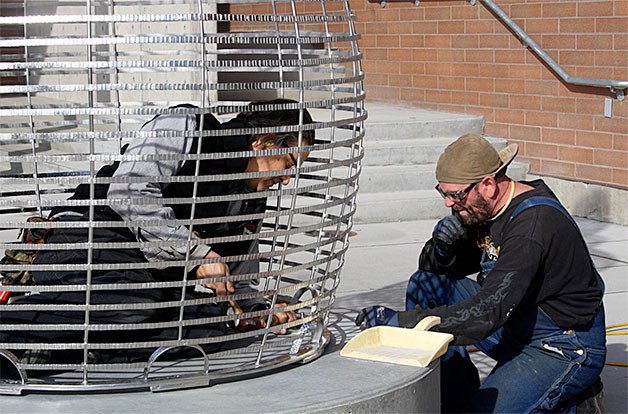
(92, 191)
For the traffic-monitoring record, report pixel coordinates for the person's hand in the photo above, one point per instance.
(447, 234)
(376, 316)
(280, 318)
(209, 270)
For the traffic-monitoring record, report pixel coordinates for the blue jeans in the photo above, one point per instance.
(540, 367)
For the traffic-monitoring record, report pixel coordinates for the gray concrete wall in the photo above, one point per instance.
(592, 201)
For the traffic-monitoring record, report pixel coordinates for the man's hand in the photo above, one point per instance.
(447, 234)
(209, 270)
(281, 318)
(376, 316)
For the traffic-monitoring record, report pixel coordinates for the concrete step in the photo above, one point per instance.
(394, 178)
(389, 122)
(386, 207)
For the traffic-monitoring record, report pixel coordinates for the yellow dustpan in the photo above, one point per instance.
(416, 347)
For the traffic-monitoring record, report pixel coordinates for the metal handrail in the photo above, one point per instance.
(615, 86)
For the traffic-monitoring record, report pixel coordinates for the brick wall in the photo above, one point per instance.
(451, 56)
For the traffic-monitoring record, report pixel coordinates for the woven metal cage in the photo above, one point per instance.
(79, 81)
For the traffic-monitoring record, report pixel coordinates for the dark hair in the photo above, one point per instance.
(278, 117)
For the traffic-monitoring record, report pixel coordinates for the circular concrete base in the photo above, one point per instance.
(329, 384)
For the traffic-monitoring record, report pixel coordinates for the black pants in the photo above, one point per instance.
(149, 296)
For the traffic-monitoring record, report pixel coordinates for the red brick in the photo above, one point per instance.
(575, 121)
(479, 84)
(525, 133)
(510, 56)
(595, 8)
(611, 158)
(411, 41)
(577, 155)
(558, 41)
(559, 9)
(376, 54)
(509, 116)
(388, 41)
(438, 41)
(436, 68)
(557, 168)
(400, 80)
(510, 86)
(620, 142)
(577, 25)
(412, 95)
(494, 100)
(376, 28)
(466, 69)
(479, 55)
(424, 81)
(557, 136)
(610, 25)
(594, 41)
(450, 55)
(467, 98)
(518, 11)
(424, 27)
(621, 8)
(449, 82)
(589, 173)
(387, 14)
(620, 177)
(437, 13)
(399, 28)
(594, 139)
(399, 54)
(376, 79)
(525, 72)
(576, 58)
(496, 129)
(525, 102)
(494, 71)
(558, 104)
(541, 150)
(453, 27)
(540, 118)
(549, 25)
(438, 96)
(464, 12)
(615, 125)
(480, 26)
(586, 105)
(465, 41)
(611, 58)
(424, 55)
(538, 87)
(414, 68)
(496, 41)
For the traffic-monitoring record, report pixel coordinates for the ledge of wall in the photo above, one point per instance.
(591, 201)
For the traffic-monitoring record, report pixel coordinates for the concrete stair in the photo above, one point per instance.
(401, 148)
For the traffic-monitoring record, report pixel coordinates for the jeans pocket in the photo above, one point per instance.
(566, 345)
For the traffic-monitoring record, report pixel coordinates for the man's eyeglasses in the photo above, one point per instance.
(455, 196)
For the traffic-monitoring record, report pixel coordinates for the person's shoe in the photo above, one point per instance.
(592, 399)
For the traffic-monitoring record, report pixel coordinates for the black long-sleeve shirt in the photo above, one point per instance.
(542, 260)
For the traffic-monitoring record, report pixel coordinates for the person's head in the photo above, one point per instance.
(272, 118)
(471, 175)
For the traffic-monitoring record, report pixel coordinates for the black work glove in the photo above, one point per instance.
(447, 234)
